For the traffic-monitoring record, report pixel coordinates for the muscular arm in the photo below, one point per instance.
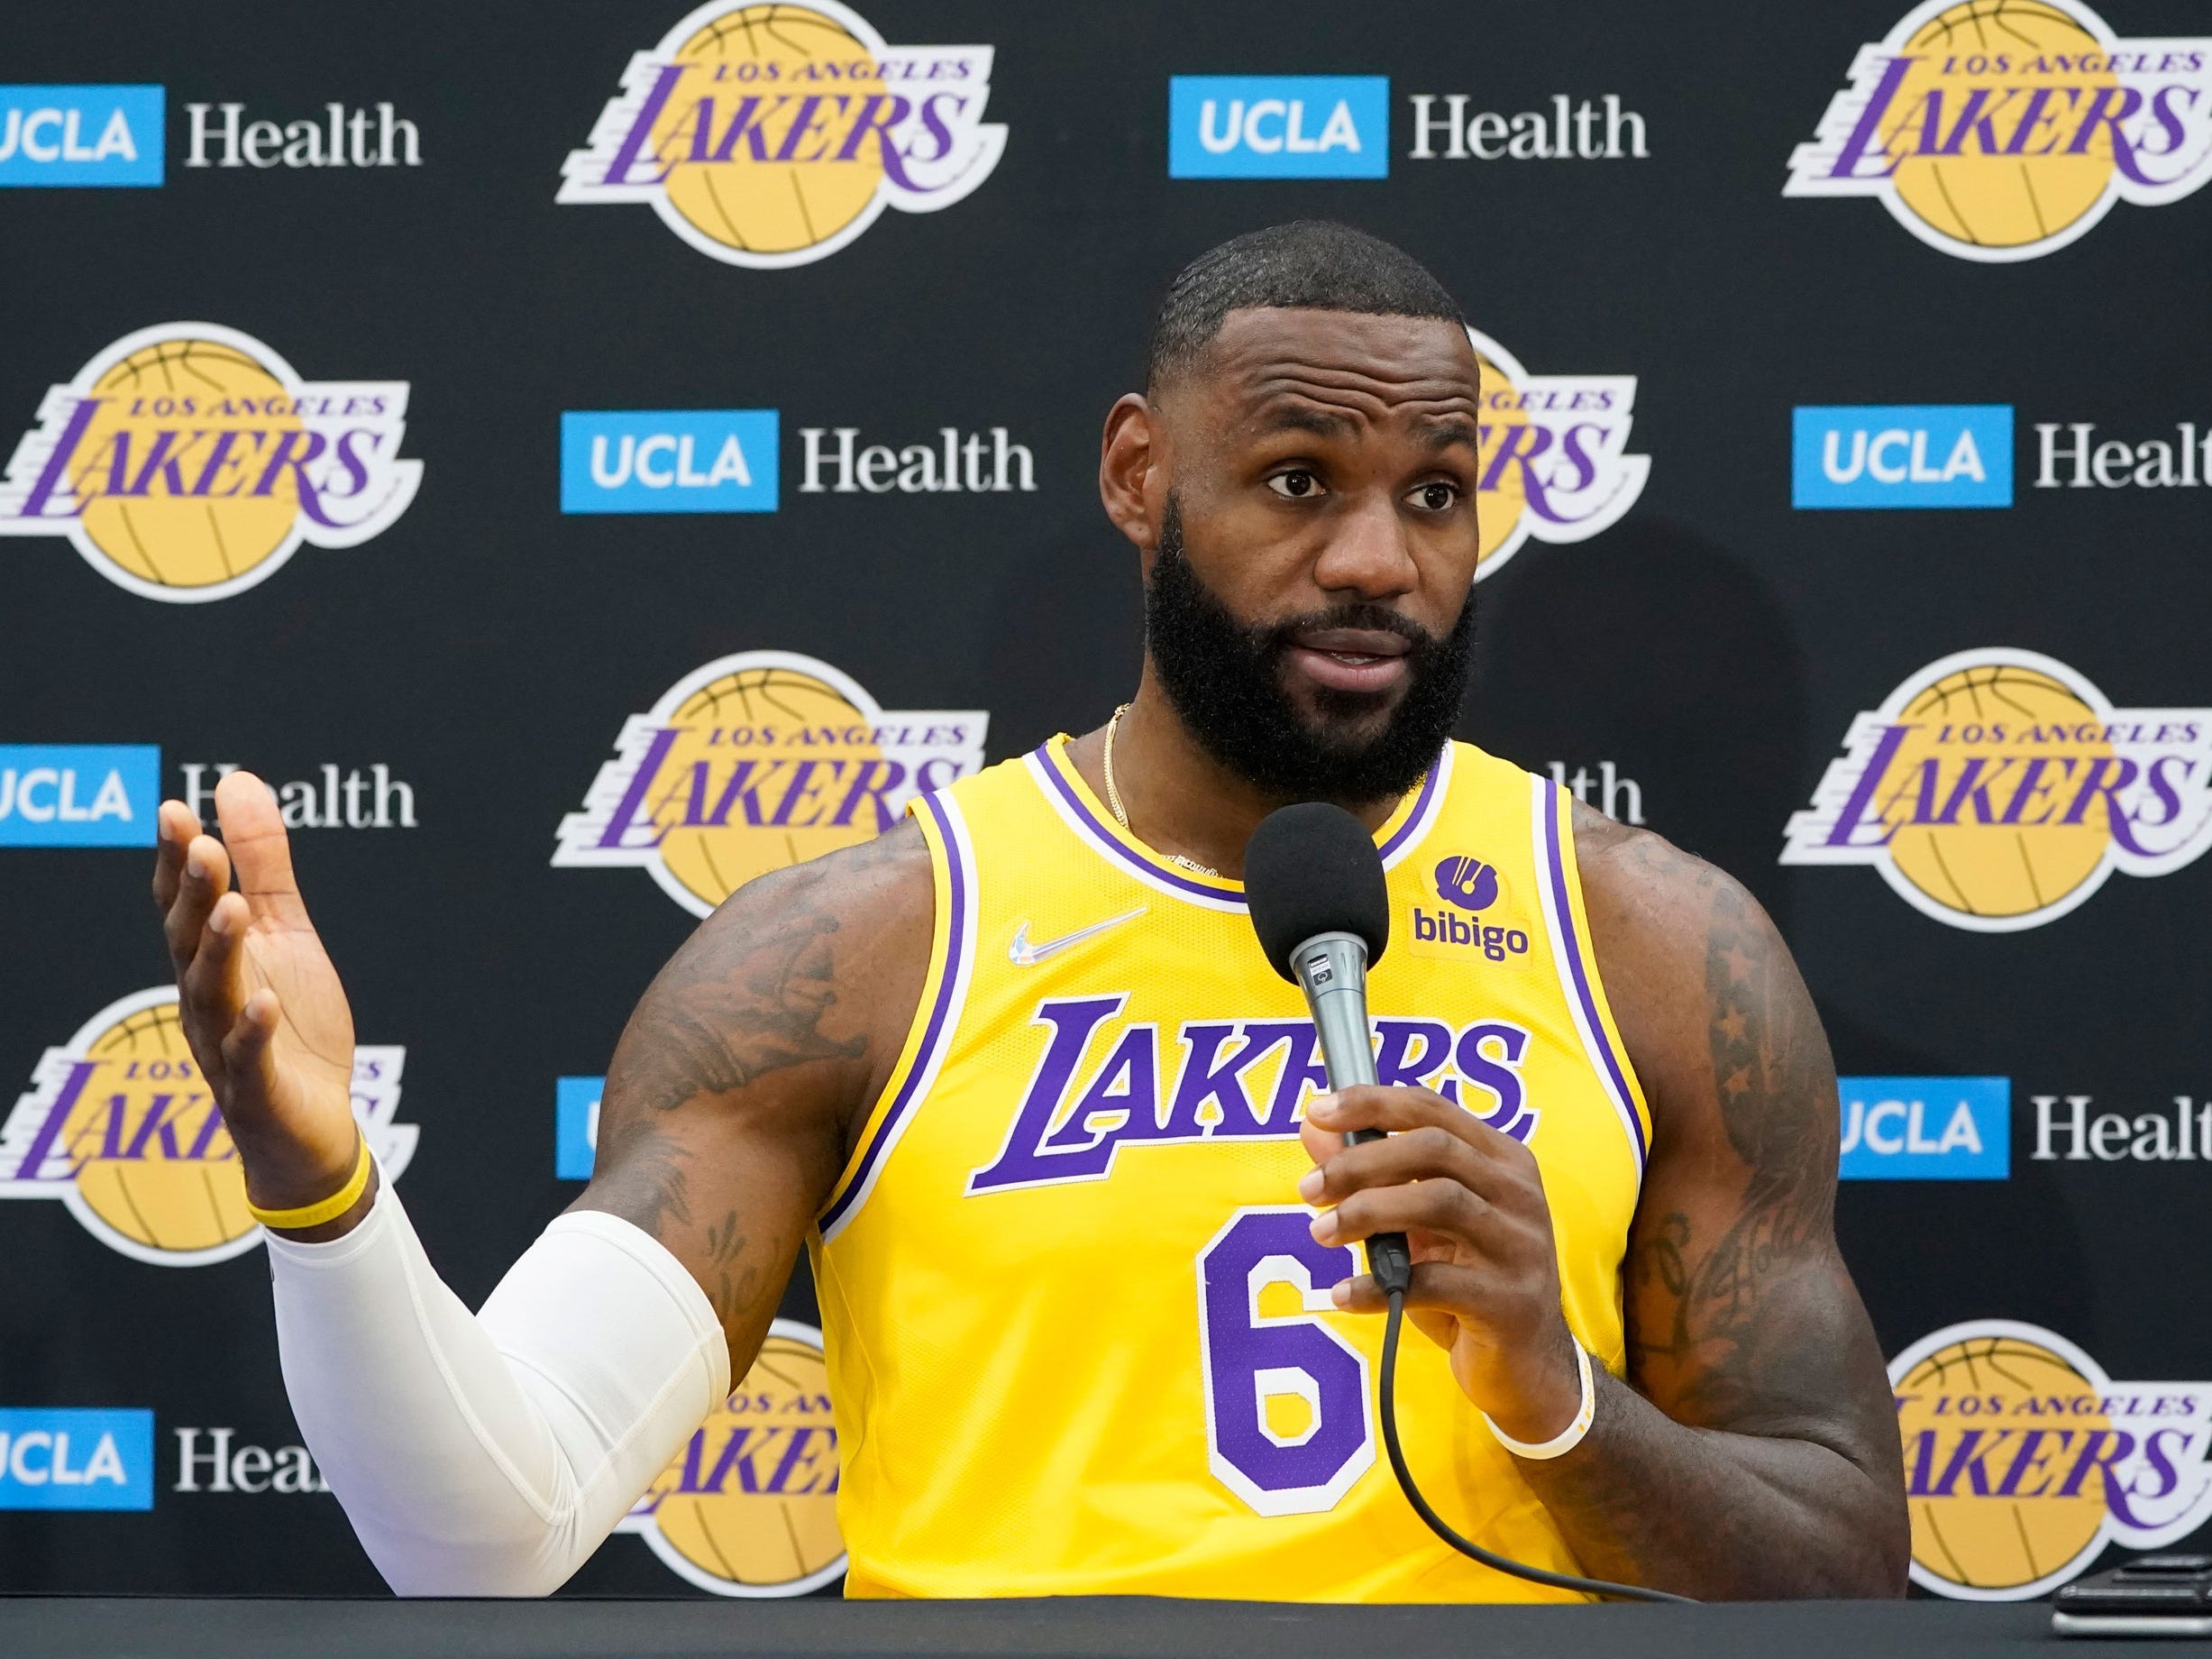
(1753, 1450)
(746, 1073)
(1756, 1453)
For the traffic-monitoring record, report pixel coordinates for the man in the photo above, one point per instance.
(1057, 1136)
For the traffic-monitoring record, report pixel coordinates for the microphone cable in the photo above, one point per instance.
(1466, 1546)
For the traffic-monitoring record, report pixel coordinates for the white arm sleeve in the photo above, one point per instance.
(489, 1455)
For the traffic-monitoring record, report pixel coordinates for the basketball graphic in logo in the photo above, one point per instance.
(2023, 1460)
(172, 539)
(1999, 1541)
(1991, 868)
(786, 719)
(750, 1507)
(187, 462)
(735, 190)
(163, 1176)
(2002, 129)
(1997, 789)
(120, 1127)
(771, 135)
(756, 762)
(1995, 200)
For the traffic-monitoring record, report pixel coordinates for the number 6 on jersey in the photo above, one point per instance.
(1303, 1457)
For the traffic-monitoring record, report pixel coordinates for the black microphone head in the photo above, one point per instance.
(1312, 868)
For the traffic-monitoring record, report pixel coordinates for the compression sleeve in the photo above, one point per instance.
(487, 1454)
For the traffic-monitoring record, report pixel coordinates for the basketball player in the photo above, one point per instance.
(1017, 1076)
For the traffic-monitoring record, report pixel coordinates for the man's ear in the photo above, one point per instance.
(1128, 482)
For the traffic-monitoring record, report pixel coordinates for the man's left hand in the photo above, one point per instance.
(1470, 1201)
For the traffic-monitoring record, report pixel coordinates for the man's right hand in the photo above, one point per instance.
(262, 1004)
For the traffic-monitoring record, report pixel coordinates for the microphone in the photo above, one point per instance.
(1313, 883)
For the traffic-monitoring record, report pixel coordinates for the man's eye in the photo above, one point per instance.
(1435, 498)
(1296, 485)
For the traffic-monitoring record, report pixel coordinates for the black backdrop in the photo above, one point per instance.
(1713, 645)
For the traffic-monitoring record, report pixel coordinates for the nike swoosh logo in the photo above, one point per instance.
(1022, 953)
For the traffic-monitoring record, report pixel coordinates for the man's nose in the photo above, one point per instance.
(1368, 555)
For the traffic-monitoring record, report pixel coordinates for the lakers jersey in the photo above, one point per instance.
(1081, 1341)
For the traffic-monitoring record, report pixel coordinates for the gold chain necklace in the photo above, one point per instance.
(1113, 797)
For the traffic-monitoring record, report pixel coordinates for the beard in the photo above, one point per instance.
(1224, 677)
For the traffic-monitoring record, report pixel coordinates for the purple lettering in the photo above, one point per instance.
(55, 469)
(618, 821)
(1863, 135)
(634, 141)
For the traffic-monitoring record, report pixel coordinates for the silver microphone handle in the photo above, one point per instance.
(1331, 969)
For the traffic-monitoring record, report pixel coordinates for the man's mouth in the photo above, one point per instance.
(1350, 659)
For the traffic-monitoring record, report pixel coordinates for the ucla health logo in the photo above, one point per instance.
(189, 462)
(80, 135)
(775, 135)
(2002, 132)
(749, 1507)
(1278, 126)
(668, 460)
(91, 794)
(1902, 455)
(755, 761)
(119, 1125)
(1553, 454)
(1997, 789)
(2023, 1460)
(75, 1457)
(1926, 1128)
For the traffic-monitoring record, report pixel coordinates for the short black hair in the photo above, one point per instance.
(1311, 264)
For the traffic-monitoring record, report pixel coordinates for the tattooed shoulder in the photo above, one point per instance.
(1739, 1200)
(779, 976)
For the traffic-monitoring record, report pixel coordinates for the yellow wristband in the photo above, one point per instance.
(329, 1209)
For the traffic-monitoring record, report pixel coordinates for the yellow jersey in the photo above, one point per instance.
(1080, 1339)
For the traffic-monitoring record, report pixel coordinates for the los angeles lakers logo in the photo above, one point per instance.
(189, 462)
(1553, 453)
(750, 1507)
(1996, 790)
(755, 761)
(2001, 130)
(120, 1126)
(2023, 1460)
(773, 135)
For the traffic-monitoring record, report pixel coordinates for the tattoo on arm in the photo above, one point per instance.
(651, 1180)
(1771, 1072)
(733, 1009)
(737, 1280)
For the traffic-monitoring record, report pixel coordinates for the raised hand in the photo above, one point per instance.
(260, 1003)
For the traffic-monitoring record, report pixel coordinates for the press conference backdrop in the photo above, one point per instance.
(586, 456)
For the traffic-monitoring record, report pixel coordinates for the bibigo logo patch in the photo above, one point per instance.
(2023, 1460)
(2004, 131)
(1997, 789)
(755, 761)
(189, 462)
(773, 135)
(120, 1126)
(1456, 927)
(750, 1505)
(1553, 453)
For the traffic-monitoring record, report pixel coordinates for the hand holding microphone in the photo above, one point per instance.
(1451, 1210)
